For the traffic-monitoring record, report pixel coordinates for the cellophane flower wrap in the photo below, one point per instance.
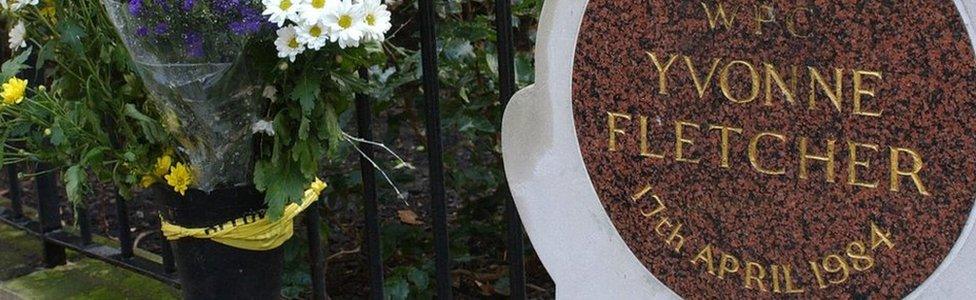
(189, 54)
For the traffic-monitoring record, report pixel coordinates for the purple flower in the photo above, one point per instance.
(250, 22)
(194, 44)
(163, 4)
(161, 28)
(188, 4)
(135, 6)
(225, 5)
(142, 31)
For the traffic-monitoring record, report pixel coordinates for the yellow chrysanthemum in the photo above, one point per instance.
(13, 91)
(179, 178)
(162, 165)
(48, 10)
(315, 189)
(147, 181)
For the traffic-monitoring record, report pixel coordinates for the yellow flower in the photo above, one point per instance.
(13, 91)
(162, 165)
(147, 181)
(179, 178)
(315, 189)
(48, 10)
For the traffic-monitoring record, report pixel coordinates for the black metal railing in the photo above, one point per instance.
(56, 239)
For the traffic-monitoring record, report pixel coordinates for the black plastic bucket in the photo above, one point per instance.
(210, 270)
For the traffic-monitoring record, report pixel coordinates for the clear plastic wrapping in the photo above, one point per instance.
(189, 56)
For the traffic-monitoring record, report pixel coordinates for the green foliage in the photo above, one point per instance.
(87, 114)
(471, 124)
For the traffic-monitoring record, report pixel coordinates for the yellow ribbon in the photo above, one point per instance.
(252, 232)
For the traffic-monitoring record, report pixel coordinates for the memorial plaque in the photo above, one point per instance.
(790, 147)
(716, 149)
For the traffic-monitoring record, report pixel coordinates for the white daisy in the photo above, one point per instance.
(281, 10)
(346, 24)
(288, 44)
(376, 19)
(314, 36)
(263, 126)
(17, 36)
(313, 11)
(18, 4)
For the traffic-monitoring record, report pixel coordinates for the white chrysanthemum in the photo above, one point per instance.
(281, 10)
(18, 36)
(314, 11)
(314, 36)
(346, 24)
(376, 19)
(262, 126)
(288, 44)
(18, 4)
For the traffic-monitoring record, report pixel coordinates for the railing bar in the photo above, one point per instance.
(14, 191)
(84, 224)
(125, 231)
(49, 214)
(506, 77)
(438, 206)
(169, 265)
(370, 203)
(64, 239)
(315, 255)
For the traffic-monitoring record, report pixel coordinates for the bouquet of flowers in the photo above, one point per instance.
(191, 56)
(220, 102)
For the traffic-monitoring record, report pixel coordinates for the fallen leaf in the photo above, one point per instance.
(409, 217)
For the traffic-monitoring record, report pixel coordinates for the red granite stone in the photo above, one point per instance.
(926, 92)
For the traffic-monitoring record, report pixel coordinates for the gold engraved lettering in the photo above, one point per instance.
(853, 163)
(772, 76)
(713, 19)
(613, 130)
(755, 273)
(725, 142)
(829, 159)
(754, 153)
(764, 14)
(681, 141)
(644, 145)
(705, 255)
(662, 72)
(896, 171)
(729, 264)
(860, 91)
(836, 96)
(640, 194)
(701, 85)
(723, 81)
(879, 237)
(861, 260)
(791, 21)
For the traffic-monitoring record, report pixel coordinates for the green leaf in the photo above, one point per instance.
(73, 183)
(306, 92)
(282, 185)
(418, 278)
(57, 135)
(396, 288)
(94, 155)
(72, 35)
(303, 129)
(13, 66)
(306, 154)
(332, 129)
